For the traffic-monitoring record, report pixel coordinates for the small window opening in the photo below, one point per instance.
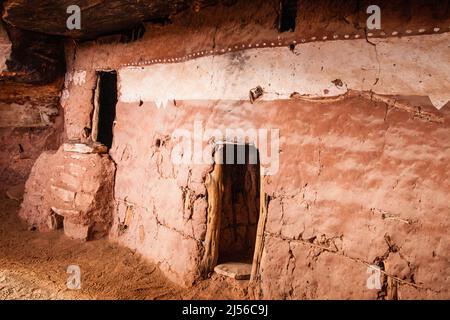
(288, 15)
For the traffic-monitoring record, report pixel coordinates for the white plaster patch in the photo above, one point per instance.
(78, 77)
(65, 94)
(395, 66)
(440, 101)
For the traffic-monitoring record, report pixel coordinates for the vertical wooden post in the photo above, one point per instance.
(95, 114)
(214, 187)
(259, 244)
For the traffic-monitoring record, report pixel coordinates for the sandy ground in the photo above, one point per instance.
(33, 265)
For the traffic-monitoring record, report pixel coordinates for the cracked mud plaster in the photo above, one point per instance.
(354, 164)
(358, 151)
(170, 226)
(337, 194)
(397, 272)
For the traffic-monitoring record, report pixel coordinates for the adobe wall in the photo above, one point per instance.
(350, 177)
(359, 181)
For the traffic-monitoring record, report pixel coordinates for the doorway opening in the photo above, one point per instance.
(105, 100)
(240, 203)
(233, 211)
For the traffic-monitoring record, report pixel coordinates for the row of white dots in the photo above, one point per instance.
(265, 44)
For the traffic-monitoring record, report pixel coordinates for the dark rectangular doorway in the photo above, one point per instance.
(105, 107)
(240, 203)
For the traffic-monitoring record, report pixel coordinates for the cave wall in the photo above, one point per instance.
(360, 180)
(5, 47)
(19, 149)
(31, 121)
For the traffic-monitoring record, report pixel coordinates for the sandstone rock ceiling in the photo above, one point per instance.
(35, 57)
(99, 16)
(108, 16)
(37, 29)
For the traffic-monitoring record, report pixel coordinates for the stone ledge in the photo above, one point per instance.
(76, 231)
(84, 148)
(234, 270)
(66, 212)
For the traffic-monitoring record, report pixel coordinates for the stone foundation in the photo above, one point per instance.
(72, 187)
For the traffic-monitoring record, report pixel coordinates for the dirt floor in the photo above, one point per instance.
(33, 265)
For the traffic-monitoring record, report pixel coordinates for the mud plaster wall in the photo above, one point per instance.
(359, 182)
(352, 175)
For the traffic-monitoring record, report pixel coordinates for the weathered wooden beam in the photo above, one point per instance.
(214, 187)
(95, 115)
(259, 244)
(24, 105)
(26, 115)
(5, 47)
(20, 93)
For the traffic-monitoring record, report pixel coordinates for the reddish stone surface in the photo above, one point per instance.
(19, 149)
(77, 187)
(359, 183)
